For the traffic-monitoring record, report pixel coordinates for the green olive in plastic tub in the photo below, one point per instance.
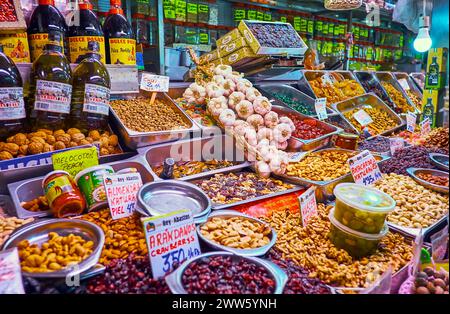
(362, 208)
(357, 244)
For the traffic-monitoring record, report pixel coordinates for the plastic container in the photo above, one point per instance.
(357, 244)
(362, 208)
(90, 183)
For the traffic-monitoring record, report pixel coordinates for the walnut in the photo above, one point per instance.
(10, 139)
(95, 135)
(90, 139)
(113, 140)
(73, 131)
(58, 132)
(106, 133)
(30, 135)
(111, 149)
(77, 137)
(65, 138)
(23, 150)
(40, 134)
(59, 145)
(104, 151)
(48, 148)
(37, 140)
(46, 131)
(35, 148)
(73, 144)
(20, 139)
(104, 141)
(2, 144)
(84, 142)
(5, 155)
(12, 148)
(50, 139)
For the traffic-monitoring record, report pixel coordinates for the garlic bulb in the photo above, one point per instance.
(262, 105)
(227, 117)
(262, 169)
(195, 94)
(282, 132)
(213, 90)
(256, 121)
(252, 93)
(235, 98)
(244, 109)
(271, 119)
(223, 69)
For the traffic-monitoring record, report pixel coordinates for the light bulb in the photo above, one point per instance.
(423, 41)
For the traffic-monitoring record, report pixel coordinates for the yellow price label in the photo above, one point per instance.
(75, 160)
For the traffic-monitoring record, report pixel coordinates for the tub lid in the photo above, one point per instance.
(95, 168)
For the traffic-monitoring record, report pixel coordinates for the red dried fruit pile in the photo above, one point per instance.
(7, 11)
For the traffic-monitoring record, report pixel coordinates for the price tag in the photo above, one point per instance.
(439, 244)
(425, 127)
(296, 157)
(121, 192)
(364, 168)
(396, 143)
(171, 238)
(10, 273)
(362, 117)
(154, 83)
(75, 160)
(321, 108)
(308, 205)
(411, 119)
(327, 79)
(404, 84)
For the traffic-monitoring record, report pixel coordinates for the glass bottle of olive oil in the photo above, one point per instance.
(88, 29)
(119, 37)
(12, 106)
(45, 18)
(91, 92)
(50, 87)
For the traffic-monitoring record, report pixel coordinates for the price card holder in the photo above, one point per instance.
(10, 273)
(308, 205)
(320, 105)
(75, 160)
(154, 84)
(425, 127)
(411, 119)
(362, 117)
(121, 192)
(396, 143)
(171, 238)
(364, 168)
(404, 84)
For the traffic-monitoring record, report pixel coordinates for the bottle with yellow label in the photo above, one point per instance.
(45, 18)
(88, 29)
(50, 87)
(119, 37)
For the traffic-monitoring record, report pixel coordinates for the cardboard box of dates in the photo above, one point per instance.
(272, 38)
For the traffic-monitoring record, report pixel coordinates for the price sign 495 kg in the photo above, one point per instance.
(308, 205)
(364, 168)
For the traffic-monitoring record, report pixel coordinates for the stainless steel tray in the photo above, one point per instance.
(296, 144)
(413, 172)
(364, 101)
(135, 140)
(324, 190)
(386, 153)
(220, 147)
(243, 252)
(30, 189)
(175, 283)
(437, 160)
(37, 233)
(412, 86)
(216, 206)
(414, 231)
(419, 80)
(270, 89)
(372, 81)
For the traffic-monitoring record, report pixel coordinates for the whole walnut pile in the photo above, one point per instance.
(438, 138)
(44, 141)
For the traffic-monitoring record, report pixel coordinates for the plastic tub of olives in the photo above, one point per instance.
(260, 251)
(175, 279)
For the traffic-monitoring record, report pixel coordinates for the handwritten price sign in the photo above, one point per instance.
(154, 83)
(308, 205)
(364, 168)
(75, 160)
(362, 117)
(425, 127)
(171, 238)
(411, 119)
(121, 192)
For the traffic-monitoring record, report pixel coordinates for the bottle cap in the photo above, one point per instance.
(86, 5)
(93, 46)
(46, 2)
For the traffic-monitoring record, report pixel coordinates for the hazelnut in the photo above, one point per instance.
(77, 137)
(113, 140)
(20, 139)
(65, 138)
(59, 145)
(95, 135)
(5, 155)
(72, 131)
(50, 139)
(12, 148)
(35, 148)
(23, 150)
(58, 132)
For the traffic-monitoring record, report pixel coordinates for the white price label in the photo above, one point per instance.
(425, 127)
(328, 79)
(321, 108)
(396, 143)
(411, 119)
(154, 83)
(404, 84)
(308, 205)
(364, 168)
(121, 192)
(362, 117)
(171, 238)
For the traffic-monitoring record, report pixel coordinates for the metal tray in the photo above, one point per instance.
(436, 159)
(324, 190)
(296, 144)
(412, 86)
(171, 196)
(37, 233)
(375, 84)
(367, 100)
(243, 252)
(386, 153)
(27, 190)
(7, 205)
(134, 140)
(270, 89)
(389, 77)
(250, 200)
(425, 231)
(220, 147)
(413, 172)
(419, 80)
(174, 280)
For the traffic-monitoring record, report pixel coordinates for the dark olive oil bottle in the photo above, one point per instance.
(91, 92)
(50, 87)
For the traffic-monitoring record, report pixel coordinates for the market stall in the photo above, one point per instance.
(318, 182)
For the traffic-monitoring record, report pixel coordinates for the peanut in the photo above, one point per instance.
(8, 225)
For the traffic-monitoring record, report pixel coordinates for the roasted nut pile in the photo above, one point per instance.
(226, 275)
(306, 129)
(37, 205)
(438, 180)
(128, 276)
(339, 91)
(414, 98)
(188, 168)
(312, 249)
(413, 156)
(398, 98)
(417, 207)
(122, 236)
(299, 281)
(43, 141)
(438, 138)
(236, 232)
(378, 144)
(277, 36)
(381, 120)
(55, 254)
(234, 187)
(430, 281)
(321, 166)
(138, 115)
(9, 224)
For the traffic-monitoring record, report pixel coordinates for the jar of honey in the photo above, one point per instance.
(63, 196)
(346, 141)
